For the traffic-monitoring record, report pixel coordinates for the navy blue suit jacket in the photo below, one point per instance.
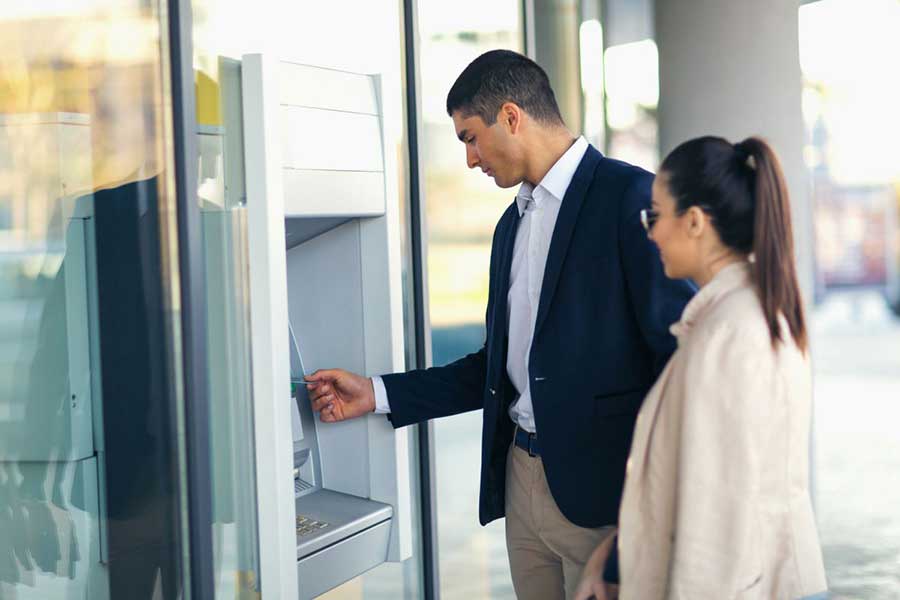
(600, 340)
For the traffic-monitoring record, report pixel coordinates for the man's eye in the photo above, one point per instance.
(471, 140)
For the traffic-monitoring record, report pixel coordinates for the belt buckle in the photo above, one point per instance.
(531, 437)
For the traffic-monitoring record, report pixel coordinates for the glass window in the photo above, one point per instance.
(462, 207)
(850, 97)
(91, 502)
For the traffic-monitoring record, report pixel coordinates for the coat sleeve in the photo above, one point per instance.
(657, 300)
(437, 392)
(715, 534)
(458, 387)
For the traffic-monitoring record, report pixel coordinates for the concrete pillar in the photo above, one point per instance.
(732, 68)
(554, 45)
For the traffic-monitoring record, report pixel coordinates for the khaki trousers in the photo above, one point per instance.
(546, 551)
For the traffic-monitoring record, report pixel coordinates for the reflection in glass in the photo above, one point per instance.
(90, 504)
(224, 226)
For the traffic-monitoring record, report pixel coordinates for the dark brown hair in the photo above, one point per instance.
(501, 76)
(742, 188)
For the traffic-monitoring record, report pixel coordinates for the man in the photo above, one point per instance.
(577, 329)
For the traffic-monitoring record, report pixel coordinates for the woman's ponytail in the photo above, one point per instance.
(774, 272)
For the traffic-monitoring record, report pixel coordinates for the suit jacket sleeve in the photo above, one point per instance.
(437, 392)
(455, 388)
(657, 300)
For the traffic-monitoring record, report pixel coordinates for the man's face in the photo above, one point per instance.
(493, 149)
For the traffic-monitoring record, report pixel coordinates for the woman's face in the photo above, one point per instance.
(672, 233)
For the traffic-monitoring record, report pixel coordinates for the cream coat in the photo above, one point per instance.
(716, 501)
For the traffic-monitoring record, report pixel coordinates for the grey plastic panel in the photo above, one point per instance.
(317, 87)
(329, 140)
(342, 562)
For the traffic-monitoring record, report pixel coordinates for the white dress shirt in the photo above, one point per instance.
(538, 209)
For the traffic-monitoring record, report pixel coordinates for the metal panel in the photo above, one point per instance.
(336, 141)
(326, 193)
(327, 569)
(315, 87)
(389, 473)
(268, 322)
(342, 516)
(299, 231)
(326, 311)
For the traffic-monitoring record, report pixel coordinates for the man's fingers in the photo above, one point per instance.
(322, 403)
(320, 391)
(330, 414)
(324, 375)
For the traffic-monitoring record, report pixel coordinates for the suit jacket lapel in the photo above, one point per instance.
(507, 241)
(565, 227)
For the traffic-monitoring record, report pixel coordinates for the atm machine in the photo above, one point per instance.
(334, 500)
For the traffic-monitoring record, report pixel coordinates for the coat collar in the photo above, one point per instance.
(565, 227)
(557, 180)
(734, 276)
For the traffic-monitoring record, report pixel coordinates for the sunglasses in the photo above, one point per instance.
(649, 217)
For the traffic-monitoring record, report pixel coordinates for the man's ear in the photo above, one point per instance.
(511, 117)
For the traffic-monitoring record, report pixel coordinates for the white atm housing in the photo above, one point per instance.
(325, 292)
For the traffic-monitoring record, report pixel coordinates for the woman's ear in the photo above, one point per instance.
(696, 221)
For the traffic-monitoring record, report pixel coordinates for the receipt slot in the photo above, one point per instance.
(333, 499)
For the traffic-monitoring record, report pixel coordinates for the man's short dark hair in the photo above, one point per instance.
(501, 76)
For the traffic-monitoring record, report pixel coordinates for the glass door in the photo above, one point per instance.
(92, 458)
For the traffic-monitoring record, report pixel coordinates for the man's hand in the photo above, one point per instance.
(337, 394)
(592, 586)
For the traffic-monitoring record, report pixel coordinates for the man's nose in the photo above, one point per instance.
(471, 157)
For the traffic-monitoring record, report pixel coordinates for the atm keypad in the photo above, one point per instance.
(307, 526)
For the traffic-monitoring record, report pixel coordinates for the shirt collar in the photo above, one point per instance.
(557, 180)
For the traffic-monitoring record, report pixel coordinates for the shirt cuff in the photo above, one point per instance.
(381, 400)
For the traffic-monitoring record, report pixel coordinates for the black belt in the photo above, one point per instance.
(527, 442)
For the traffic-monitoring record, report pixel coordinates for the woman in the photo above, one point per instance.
(716, 501)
